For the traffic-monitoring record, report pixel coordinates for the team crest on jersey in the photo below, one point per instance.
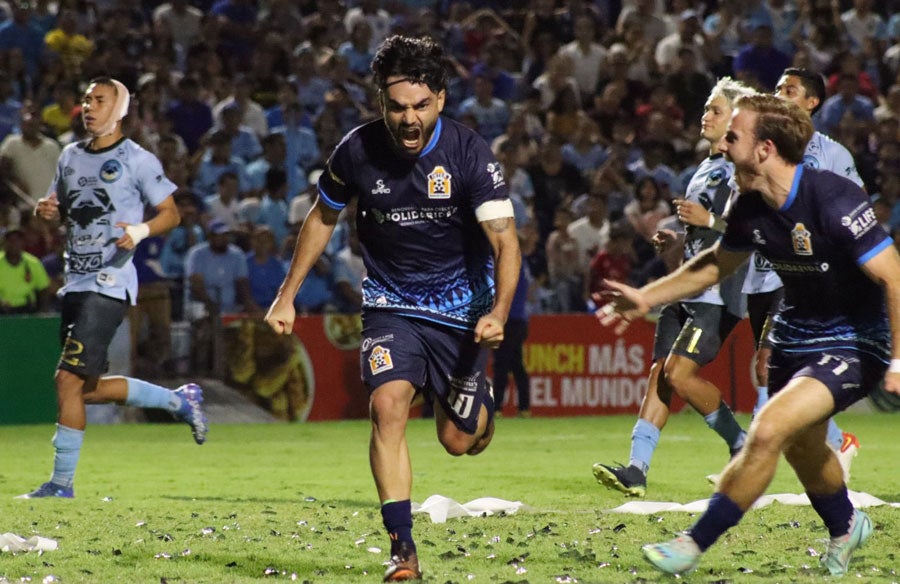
(439, 183)
(801, 239)
(111, 171)
(810, 161)
(380, 359)
(715, 178)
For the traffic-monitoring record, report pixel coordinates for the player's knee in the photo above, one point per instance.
(387, 409)
(766, 434)
(678, 373)
(454, 441)
(68, 384)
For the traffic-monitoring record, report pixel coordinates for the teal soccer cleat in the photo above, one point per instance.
(679, 556)
(841, 548)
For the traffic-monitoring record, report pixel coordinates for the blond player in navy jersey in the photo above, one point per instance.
(762, 285)
(102, 186)
(835, 339)
(438, 240)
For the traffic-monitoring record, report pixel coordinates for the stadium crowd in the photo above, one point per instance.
(591, 106)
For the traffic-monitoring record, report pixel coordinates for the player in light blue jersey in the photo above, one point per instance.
(835, 340)
(102, 186)
(690, 333)
(762, 285)
(442, 259)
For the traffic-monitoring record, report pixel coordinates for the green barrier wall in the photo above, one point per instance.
(29, 351)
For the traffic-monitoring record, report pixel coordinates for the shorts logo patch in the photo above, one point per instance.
(439, 183)
(380, 359)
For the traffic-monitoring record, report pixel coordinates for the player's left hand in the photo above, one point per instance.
(621, 305)
(691, 213)
(489, 331)
(127, 241)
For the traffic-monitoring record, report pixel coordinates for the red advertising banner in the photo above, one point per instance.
(577, 367)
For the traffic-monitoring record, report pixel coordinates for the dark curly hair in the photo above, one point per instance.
(420, 60)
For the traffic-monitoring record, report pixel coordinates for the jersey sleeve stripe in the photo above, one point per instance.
(874, 251)
(330, 202)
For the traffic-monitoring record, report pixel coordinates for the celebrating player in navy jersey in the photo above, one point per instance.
(442, 260)
(832, 340)
(762, 285)
(689, 333)
(101, 187)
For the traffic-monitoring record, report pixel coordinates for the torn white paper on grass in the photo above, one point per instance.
(441, 508)
(10, 542)
(859, 500)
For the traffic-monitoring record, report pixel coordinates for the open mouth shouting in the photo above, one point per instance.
(411, 138)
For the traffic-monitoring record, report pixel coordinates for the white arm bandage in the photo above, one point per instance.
(497, 209)
(138, 232)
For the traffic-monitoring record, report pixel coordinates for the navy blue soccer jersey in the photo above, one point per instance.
(817, 242)
(425, 254)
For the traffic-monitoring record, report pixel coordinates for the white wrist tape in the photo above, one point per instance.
(894, 367)
(712, 221)
(138, 232)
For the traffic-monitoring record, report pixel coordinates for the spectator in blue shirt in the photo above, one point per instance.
(214, 162)
(760, 64)
(10, 108)
(357, 52)
(20, 33)
(244, 143)
(273, 208)
(264, 270)
(190, 117)
(846, 102)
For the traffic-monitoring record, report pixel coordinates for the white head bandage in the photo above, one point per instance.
(119, 110)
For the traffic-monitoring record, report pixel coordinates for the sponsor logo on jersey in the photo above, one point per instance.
(380, 189)
(413, 216)
(715, 178)
(439, 182)
(861, 224)
(801, 239)
(68, 171)
(496, 171)
(111, 171)
(795, 268)
(87, 181)
(85, 263)
(758, 239)
(810, 161)
(368, 341)
(380, 359)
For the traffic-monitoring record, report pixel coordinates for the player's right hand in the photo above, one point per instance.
(664, 239)
(281, 316)
(621, 305)
(48, 208)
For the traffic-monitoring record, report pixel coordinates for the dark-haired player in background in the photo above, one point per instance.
(101, 188)
(437, 234)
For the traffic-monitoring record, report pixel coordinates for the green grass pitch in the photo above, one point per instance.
(262, 503)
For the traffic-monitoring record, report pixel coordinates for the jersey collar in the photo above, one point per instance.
(794, 187)
(434, 138)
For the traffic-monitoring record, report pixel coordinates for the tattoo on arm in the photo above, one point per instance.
(498, 225)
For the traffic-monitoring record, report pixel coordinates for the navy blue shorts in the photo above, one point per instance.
(443, 362)
(695, 330)
(89, 322)
(849, 375)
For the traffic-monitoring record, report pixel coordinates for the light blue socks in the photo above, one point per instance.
(67, 442)
(644, 438)
(142, 394)
(835, 436)
(723, 423)
(762, 398)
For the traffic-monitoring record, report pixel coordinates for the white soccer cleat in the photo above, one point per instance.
(847, 452)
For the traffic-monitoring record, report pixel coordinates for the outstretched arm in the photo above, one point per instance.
(314, 236)
(694, 276)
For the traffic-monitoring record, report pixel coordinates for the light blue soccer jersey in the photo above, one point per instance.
(822, 153)
(708, 187)
(97, 190)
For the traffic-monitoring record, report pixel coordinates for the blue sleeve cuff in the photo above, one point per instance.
(874, 251)
(330, 202)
